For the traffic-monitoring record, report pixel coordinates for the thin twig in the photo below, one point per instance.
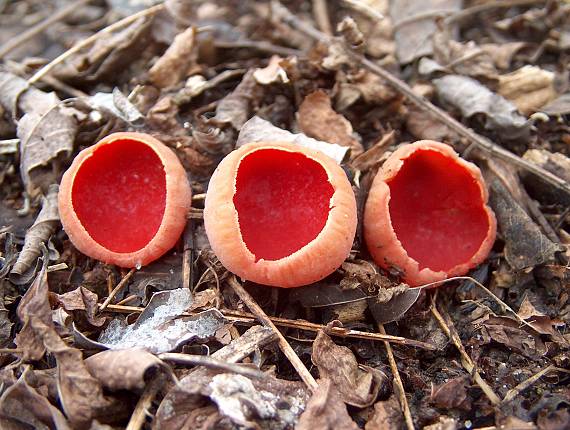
(512, 393)
(188, 255)
(239, 317)
(364, 9)
(118, 288)
(321, 13)
(22, 38)
(398, 381)
(141, 409)
(88, 41)
(283, 344)
(213, 363)
(501, 4)
(482, 143)
(14, 351)
(258, 45)
(466, 361)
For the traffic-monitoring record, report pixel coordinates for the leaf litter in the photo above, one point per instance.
(208, 77)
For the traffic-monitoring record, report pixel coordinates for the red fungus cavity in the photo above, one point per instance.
(427, 216)
(288, 220)
(117, 185)
(437, 210)
(125, 199)
(282, 199)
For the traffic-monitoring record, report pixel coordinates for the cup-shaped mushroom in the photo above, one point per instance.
(280, 214)
(125, 200)
(426, 216)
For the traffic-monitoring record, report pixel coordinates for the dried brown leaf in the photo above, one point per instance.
(272, 73)
(125, 369)
(387, 415)
(525, 245)
(34, 304)
(80, 394)
(235, 108)
(452, 394)
(175, 63)
(82, 303)
(22, 407)
(39, 233)
(502, 54)
(507, 332)
(529, 88)
(373, 156)
(326, 410)
(317, 119)
(357, 386)
(17, 97)
(559, 106)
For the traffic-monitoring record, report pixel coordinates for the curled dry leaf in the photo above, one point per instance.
(391, 304)
(125, 369)
(118, 104)
(452, 394)
(357, 386)
(559, 106)
(529, 88)
(317, 119)
(260, 130)
(82, 304)
(470, 97)
(507, 331)
(39, 233)
(272, 73)
(502, 54)
(235, 108)
(22, 407)
(373, 156)
(174, 64)
(161, 326)
(387, 415)
(17, 97)
(525, 245)
(556, 163)
(326, 410)
(34, 304)
(80, 394)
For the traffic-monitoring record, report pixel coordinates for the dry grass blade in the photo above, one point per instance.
(398, 381)
(466, 361)
(512, 393)
(247, 318)
(482, 143)
(206, 361)
(283, 344)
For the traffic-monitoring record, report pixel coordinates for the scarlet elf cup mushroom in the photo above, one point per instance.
(280, 214)
(427, 215)
(125, 199)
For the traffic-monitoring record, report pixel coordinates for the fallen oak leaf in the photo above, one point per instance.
(82, 303)
(357, 385)
(39, 233)
(317, 119)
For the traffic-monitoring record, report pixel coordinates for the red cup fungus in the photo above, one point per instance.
(125, 199)
(280, 214)
(427, 216)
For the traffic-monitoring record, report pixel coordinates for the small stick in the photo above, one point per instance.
(364, 9)
(465, 359)
(398, 381)
(258, 45)
(206, 361)
(482, 143)
(88, 41)
(283, 344)
(188, 255)
(118, 288)
(22, 38)
(247, 318)
(127, 300)
(511, 394)
(14, 351)
(322, 19)
(141, 409)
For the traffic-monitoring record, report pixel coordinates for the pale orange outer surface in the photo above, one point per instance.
(309, 264)
(178, 201)
(380, 236)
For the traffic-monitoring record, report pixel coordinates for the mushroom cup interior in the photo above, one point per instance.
(119, 195)
(437, 210)
(283, 202)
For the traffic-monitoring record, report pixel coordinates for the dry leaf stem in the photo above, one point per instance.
(283, 344)
(118, 288)
(247, 318)
(398, 382)
(468, 365)
(482, 143)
